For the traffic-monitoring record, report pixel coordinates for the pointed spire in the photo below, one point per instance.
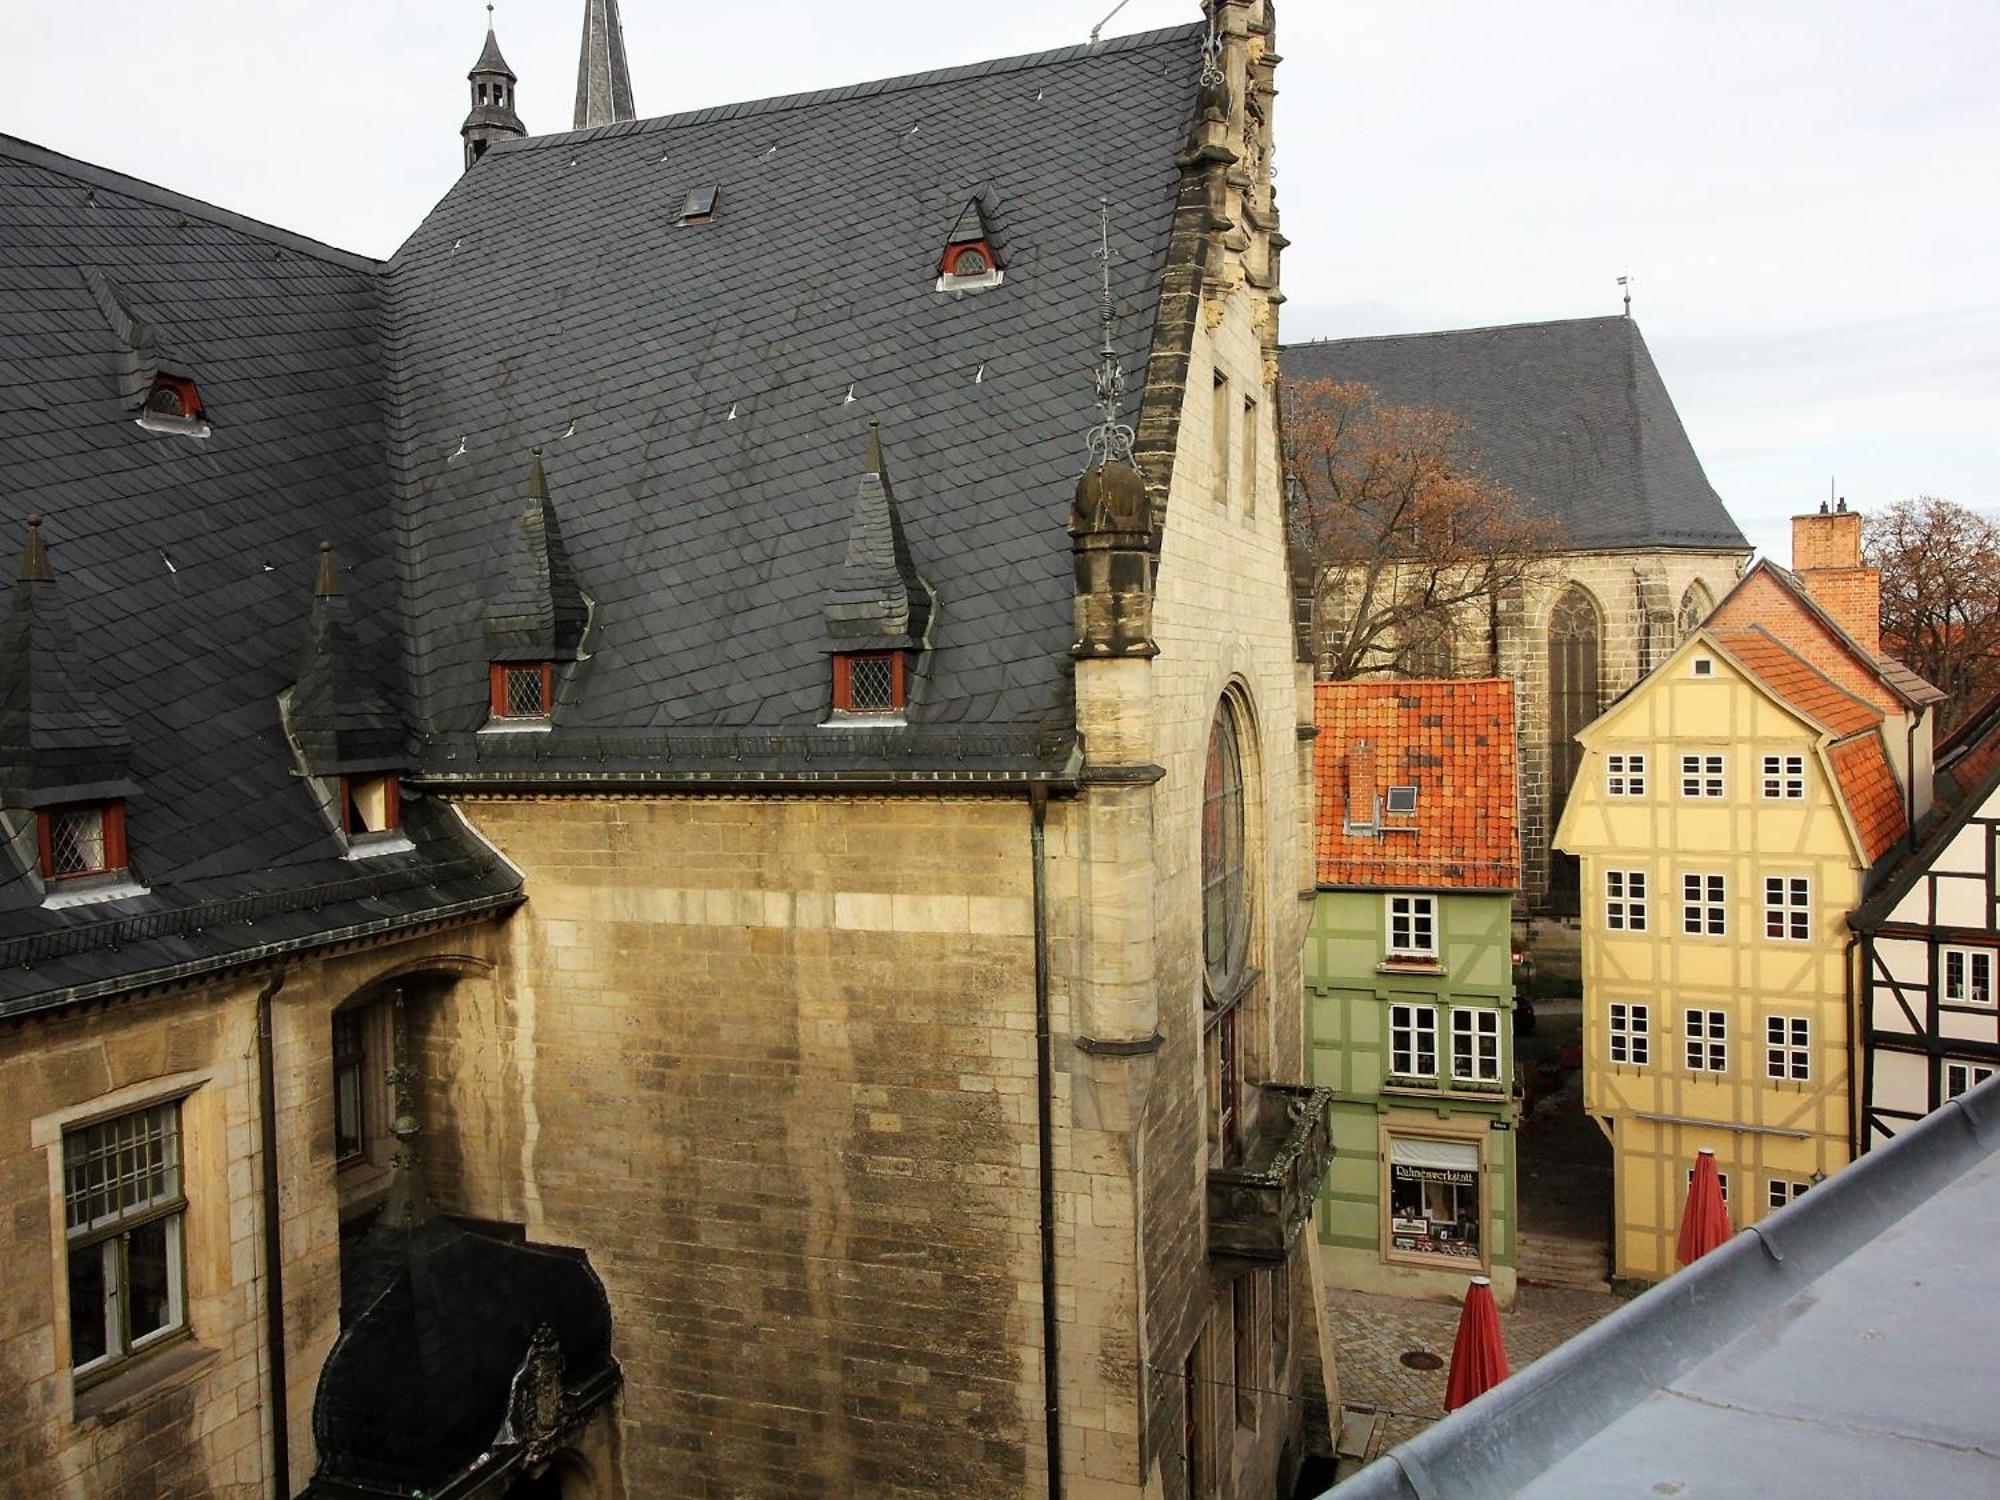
(538, 478)
(328, 584)
(603, 83)
(337, 715)
(35, 566)
(535, 610)
(877, 597)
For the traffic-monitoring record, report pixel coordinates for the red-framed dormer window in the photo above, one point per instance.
(522, 689)
(370, 805)
(869, 682)
(175, 398)
(83, 838)
(972, 259)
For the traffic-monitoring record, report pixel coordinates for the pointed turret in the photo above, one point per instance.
(492, 117)
(877, 599)
(336, 714)
(535, 612)
(603, 83)
(58, 740)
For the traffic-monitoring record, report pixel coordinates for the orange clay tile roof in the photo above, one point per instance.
(1798, 683)
(1454, 742)
(1869, 788)
(1969, 754)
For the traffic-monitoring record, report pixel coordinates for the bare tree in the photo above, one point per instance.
(1940, 594)
(1405, 535)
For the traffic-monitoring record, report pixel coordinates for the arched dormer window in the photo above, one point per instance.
(174, 405)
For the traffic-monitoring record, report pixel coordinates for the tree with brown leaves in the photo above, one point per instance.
(1406, 537)
(1940, 568)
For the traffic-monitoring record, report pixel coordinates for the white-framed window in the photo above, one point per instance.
(1721, 1178)
(1413, 1041)
(1475, 1044)
(1784, 778)
(1782, 1190)
(1968, 976)
(123, 1209)
(1630, 1031)
(1701, 775)
(1788, 908)
(1413, 927)
(1704, 905)
(1625, 900)
(1707, 1037)
(1788, 1048)
(1625, 775)
(1704, 666)
(1960, 1076)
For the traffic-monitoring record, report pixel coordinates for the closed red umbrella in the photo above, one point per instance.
(1478, 1356)
(1705, 1221)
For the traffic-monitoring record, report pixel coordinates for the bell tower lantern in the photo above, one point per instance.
(492, 117)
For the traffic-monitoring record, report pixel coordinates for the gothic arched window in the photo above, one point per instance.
(1695, 605)
(1225, 925)
(1573, 702)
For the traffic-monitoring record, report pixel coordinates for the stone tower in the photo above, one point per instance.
(492, 117)
(603, 83)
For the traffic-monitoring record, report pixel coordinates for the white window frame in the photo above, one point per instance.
(1788, 907)
(1705, 1038)
(1970, 1075)
(1704, 904)
(1629, 1033)
(1787, 1048)
(1412, 1027)
(1976, 967)
(1704, 775)
(1779, 1191)
(1412, 926)
(1783, 778)
(1625, 774)
(1476, 1030)
(1625, 899)
(1703, 666)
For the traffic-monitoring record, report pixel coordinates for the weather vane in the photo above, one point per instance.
(1111, 440)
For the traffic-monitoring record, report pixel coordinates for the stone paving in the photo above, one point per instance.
(1371, 1333)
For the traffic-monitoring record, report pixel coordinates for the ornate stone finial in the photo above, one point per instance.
(327, 586)
(408, 1205)
(1111, 440)
(35, 565)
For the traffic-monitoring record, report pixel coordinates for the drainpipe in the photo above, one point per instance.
(1857, 1044)
(1910, 776)
(274, 1265)
(1038, 805)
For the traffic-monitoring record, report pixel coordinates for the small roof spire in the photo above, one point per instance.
(538, 479)
(603, 83)
(490, 60)
(35, 565)
(876, 598)
(327, 586)
(1110, 442)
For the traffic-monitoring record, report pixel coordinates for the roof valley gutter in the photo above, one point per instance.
(274, 1264)
(1038, 806)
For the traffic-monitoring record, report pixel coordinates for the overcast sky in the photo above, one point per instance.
(1804, 191)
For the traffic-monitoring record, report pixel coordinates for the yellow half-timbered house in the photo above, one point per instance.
(1726, 813)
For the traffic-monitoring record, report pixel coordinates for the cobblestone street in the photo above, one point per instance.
(1372, 1333)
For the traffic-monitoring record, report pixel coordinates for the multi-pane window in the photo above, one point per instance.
(1960, 1076)
(1225, 917)
(123, 1207)
(1701, 776)
(350, 1123)
(1630, 1029)
(521, 689)
(1968, 976)
(1413, 1041)
(1784, 778)
(1625, 900)
(871, 684)
(1788, 1048)
(1707, 1037)
(1475, 1044)
(1625, 775)
(1413, 926)
(1704, 905)
(1788, 907)
(84, 839)
(1782, 1190)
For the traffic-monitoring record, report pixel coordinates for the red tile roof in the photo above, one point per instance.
(1796, 681)
(1869, 788)
(1454, 742)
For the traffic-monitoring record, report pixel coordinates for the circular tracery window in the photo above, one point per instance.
(1225, 924)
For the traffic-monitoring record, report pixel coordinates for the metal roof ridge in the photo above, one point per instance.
(52, 160)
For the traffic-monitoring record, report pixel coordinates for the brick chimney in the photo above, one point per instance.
(1826, 554)
(1361, 784)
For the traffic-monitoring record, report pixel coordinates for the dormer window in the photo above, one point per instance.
(869, 682)
(522, 690)
(85, 838)
(699, 205)
(968, 265)
(174, 405)
(370, 805)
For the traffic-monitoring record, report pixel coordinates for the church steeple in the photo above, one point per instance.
(492, 117)
(603, 84)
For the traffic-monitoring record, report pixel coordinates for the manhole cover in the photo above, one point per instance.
(1421, 1359)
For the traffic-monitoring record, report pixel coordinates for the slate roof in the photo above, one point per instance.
(690, 387)
(186, 566)
(1842, 1346)
(1572, 416)
(1454, 742)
